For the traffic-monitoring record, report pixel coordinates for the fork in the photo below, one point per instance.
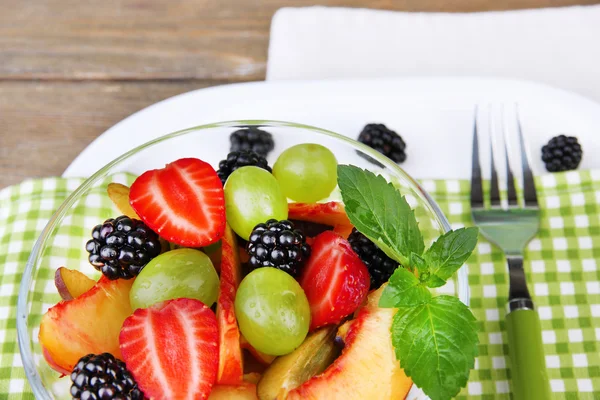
(511, 229)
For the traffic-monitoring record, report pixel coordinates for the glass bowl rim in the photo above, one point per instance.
(23, 338)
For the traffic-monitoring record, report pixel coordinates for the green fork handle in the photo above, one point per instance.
(528, 364)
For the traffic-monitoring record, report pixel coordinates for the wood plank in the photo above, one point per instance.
(45, 125)
(175, 39)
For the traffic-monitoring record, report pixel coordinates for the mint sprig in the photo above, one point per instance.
(377, 210)
(435, 338)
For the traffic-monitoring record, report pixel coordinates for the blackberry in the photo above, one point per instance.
(103, 377)
(384, 140)
(252, 139)
(311, 229)
(238, 159)
(277, 244)
(562, 153)
(121, 247)
(380, 266)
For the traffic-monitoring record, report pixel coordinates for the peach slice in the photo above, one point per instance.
(332, 214)
(288, 372)
(231, 366)
(244, 391)
(252, 377)
(53, 364)
(367, 367)
(87, 324)
(71, 283)
(342, 331)
(263, 358)
(119, 194)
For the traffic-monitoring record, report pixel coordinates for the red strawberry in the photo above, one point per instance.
(335, 280)
(172, 349)
(183, 202)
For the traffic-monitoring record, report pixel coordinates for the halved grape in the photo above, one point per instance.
(176, 274)
(252, 196)
(306, 172)
(272, 311)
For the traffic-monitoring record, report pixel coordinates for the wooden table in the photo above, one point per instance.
(70, 69)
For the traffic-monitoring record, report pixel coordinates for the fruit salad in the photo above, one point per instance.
(242, 282)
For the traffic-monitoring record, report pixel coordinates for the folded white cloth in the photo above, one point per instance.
(557, 46)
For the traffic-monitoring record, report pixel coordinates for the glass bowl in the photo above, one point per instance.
(62, 243)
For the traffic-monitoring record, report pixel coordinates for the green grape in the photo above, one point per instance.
(272, 311)
(252, 196)
(175, 274)
(306, 172)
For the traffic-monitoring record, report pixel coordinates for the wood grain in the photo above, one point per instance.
(43, 126)
(70, 69)
(168, 39)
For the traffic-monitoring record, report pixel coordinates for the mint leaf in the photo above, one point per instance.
(378, 211)
(436, 344)
(448, 253)
(418, 262)
(434, 281)
(404, 290)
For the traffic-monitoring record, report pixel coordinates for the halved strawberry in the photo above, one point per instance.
(172, 349)
(335, 280)
(183, 202)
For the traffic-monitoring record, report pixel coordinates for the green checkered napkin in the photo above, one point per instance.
(562, 264)
(563, 277)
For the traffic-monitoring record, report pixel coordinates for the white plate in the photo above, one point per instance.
(433, 115)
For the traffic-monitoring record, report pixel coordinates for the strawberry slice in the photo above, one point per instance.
(172, 349)
(335, 280)
(183, 202)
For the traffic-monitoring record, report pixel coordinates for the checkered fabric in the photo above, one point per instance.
(562, 264)
(24, 211)
(563, 277)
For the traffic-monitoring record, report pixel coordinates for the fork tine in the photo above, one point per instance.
(494, 190)
(476, 188)
(510, 179)
(529, 193)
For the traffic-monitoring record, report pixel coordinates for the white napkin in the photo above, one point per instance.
(557, 46)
